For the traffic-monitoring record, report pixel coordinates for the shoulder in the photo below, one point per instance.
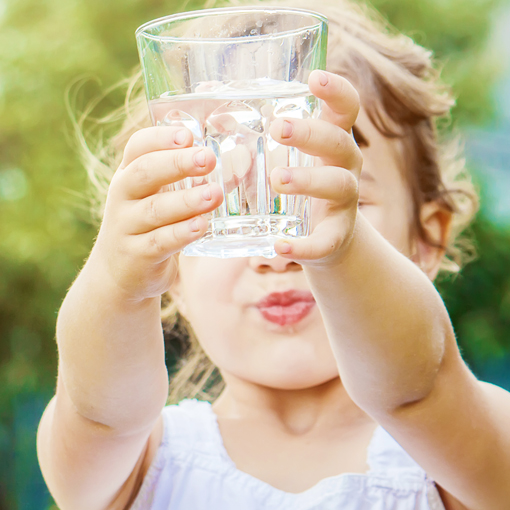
(180, 426)
(189, 422)
(181, 429)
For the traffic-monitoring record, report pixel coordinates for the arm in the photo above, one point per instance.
(388, 327)
(100, 431)
(385, 320)
(404, 368)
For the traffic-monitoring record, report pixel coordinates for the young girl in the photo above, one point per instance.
(340, 382)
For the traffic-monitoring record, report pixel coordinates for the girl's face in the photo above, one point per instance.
(232, 304)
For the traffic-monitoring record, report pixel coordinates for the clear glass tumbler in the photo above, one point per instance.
(226, 74)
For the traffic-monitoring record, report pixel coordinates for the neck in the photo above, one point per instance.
(298, 411)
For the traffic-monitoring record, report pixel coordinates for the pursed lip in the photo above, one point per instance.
(286, 308)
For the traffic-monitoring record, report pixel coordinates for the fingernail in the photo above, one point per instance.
(180, 136)
(285, 176)
(287, 129)
(285, 247)
(194, 227)
(206, 193)
(199, 158)
(323, 79)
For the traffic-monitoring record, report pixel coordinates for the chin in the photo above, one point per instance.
(297, 379)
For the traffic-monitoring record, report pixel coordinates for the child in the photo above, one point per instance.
(342, 386)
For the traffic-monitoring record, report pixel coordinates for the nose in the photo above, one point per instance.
(277, 264)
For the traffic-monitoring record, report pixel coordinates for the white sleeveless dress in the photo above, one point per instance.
(192, 471)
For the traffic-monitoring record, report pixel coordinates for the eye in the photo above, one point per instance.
(359, 138)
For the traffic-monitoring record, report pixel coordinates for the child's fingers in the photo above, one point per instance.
(319, 138)
(148, 173)
(341, 98)
(321, 245)
(155, 138)
(330, 183)
(173, 207)
(160, 244)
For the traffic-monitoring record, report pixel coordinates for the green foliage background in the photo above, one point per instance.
(45, 45)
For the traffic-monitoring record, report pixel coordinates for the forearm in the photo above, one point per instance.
(111, 353)
(386, 322)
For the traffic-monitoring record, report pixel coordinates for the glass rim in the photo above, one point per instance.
(141, 30)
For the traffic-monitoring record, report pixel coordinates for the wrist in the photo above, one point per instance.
(99, 279)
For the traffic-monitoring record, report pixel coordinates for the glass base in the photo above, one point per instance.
(246, 236)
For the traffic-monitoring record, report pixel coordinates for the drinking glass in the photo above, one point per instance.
(226, 74)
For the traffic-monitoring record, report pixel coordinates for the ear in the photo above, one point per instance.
(175, 292)
(437, 223)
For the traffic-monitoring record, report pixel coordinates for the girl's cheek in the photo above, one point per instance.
(217, 279)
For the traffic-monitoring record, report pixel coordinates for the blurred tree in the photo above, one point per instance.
(457, 32)
(478, 301)
(45, 234)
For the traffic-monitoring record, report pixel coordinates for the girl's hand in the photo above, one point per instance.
(334, 181)
(145, 225)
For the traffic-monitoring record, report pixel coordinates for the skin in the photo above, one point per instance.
(103, 427)
(257, 355)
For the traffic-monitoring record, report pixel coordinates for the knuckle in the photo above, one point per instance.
(180, 234)
(307, 179)
(341, 188)
(141, 169)
(342, 87)
(340, 142)
(348, 90)
(307, 133)
(180, 163)
(162, 136)
(305, 250)
(152, 210)
(350, 187)
(189, 199)
(156, 247)
(314, 252)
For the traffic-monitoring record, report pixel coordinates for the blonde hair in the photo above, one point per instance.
(402, 93)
